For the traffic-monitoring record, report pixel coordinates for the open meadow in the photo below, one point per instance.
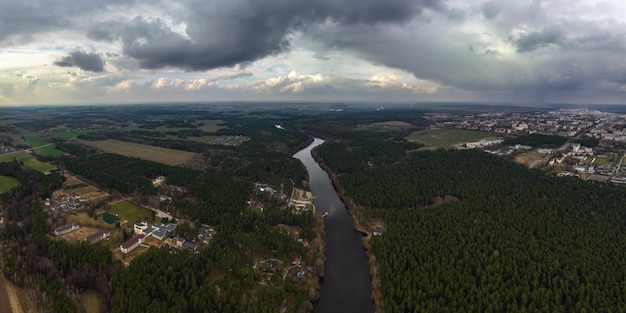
(446, 138)
(65, 135)
(128, 212)
(146, 152)
(7, 183)
(28, 160)
(527, 158)
(32, 138)
(384, 126)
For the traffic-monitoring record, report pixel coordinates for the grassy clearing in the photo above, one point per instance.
(211, 126)
(446, 138)
(32, 163)
(7, 183)
(28, 160)
(47, 151)
(65, 135)
(129, 212)
(528, 158)
(602, 161)
(146, 152)
(32, 138)
(90, 301)
(384, 126)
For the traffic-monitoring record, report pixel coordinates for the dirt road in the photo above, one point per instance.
(8, 299)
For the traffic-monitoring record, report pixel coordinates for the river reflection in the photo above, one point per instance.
(347, 285)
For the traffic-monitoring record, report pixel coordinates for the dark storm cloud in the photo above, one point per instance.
(85, 61)
(538, 39)
(229, 32)
(24, 18)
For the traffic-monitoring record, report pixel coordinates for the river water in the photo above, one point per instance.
(347, 284)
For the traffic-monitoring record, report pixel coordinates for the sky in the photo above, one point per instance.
(129, 51)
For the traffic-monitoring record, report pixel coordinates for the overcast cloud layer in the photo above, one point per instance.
(83, 51)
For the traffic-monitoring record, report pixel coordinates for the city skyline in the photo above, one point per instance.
(124, 51)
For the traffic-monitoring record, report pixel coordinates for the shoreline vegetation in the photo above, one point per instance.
(377, 295)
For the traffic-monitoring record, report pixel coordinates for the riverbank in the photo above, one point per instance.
(377, 296)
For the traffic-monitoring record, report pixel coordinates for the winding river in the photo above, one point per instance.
(347, 284)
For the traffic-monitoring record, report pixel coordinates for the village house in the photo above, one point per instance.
(132, 243)
(100, 235)
(66, 229)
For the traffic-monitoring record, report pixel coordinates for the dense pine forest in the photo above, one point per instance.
(465, 231)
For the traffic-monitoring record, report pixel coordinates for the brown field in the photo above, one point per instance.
(84, 220)
(90, 301)
(146, 152)
(528, 158)
(90, 192)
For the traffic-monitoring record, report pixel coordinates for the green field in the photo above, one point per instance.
(7, 183)
(446, 138)
(129, 212)
(384, 126)
(602, 161)
(29, 161)
(32, 138)
(65, 135)
(211, 126)
(47, 151)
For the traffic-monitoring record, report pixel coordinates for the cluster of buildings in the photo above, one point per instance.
(8, 149)
(575, 151)
(157, 230)
(93, 238)
(232, 141)
(66, 202)
(565, 123)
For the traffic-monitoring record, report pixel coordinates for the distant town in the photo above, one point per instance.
(606, 131)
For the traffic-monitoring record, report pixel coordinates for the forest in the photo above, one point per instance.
(221, 278)
(465, 231)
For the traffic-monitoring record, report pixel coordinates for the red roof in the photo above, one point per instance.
(132, 241)
(97, 236)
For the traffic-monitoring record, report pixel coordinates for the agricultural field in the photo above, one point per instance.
(7, 183)
(32, 138)
(65, 135)
(384, 126)
(446, 138)
(146, 152)
(128, 212)
(528, 158)
(48, 150)
(29, 161)
(211, 126)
